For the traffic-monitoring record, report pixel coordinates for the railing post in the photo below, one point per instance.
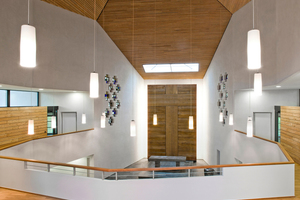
(74, 171)
(116, 176)
(25, 164)
(189, 172)
(153, 174)
(48, 167)
(102, 175)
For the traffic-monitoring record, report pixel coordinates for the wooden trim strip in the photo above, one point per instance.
(142, 169)
(2, 147)
(278, 144)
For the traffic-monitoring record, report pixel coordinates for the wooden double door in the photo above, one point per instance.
(173, 105)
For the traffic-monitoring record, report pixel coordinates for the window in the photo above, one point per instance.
(23, 98)
(3, 98)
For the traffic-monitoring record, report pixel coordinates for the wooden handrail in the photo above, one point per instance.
(278, 144)
(2, 147)
(142, 169)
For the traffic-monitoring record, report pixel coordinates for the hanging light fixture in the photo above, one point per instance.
(30, 127)
(83, 118)
(221, 116)
(132, 128)
(94, 80)
(191, 122)
(28, 45)
(155, 119)
(53, 122)
(102, 120)
(254, 47)
(191, 118)
(258, 84)
(249, 127)
(230, 119)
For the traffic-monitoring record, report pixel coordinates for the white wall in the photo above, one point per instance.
(78, 102)
(264, 103)
(199, 83)
(278, 22)
(235, 183)
(64, 61)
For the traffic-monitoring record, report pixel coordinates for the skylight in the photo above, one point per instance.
(163, 68)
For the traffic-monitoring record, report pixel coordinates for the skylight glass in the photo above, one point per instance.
(163, 68)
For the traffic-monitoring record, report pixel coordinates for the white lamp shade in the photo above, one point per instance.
(102, 121)
(30, 127)
(249, 127)
(28, 46)
(258, 84)
(132, 128)
(94, 85)
(221, 117)
(83, 118)
(230, 119)
(191, 122)
(154, 119)
(254, 49)
(53, 122)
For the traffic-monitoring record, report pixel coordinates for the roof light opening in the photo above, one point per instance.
(165, 68)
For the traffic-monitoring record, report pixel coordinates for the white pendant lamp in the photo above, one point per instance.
(102, 120)
(83, 118)
(30, 127)
(132, 128)
(249, 127)
(154, 119)
(191, 122)
(258, 84)
(94, 85)
(28, 45)
(53, 122)
(230, 119)
(254, 49)
(221, 116)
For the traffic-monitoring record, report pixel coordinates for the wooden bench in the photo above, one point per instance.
(176, 159)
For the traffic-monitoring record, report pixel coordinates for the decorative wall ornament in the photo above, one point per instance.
(114, 80)
(219, 103)
(118, 88)
(110, 121)
(106, 95)
(106, 113)
(226, 95)
(221, 78)
(118, 104)
(106, 78)
(223, 96)
(114, 96)
(110, 104)
(226, 77)
(224, 86)
(110, 87)
(114, 112)
(224, 104)
(219, 87)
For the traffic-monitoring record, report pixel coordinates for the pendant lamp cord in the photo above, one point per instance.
(132, 53)
(94, 35)
(28, 11)
(191, 33)
(253, 13)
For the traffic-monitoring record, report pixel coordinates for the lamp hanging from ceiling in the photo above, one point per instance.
(231, 119)
(249, 127)
(191, 118)
(154, 119)
(94, 77)
(132, 123)
(254, 47)
(53, 121)
(28, 45)
(30, 127)
(221, 116)
(83, 118)
(258, 84)
(102, 120)
(155, 114)
(132, 128)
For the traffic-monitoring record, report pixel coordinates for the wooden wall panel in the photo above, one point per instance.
(174, 104)
(233, 5)
(14, 123)
(290, 131)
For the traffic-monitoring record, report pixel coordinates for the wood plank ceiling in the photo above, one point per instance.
(161, 31)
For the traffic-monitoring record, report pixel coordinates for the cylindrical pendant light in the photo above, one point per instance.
(53, 122)
(154, 119)
(258, 84)
(221, 116)
(254, 49)
(132, 128)
(30, 127)
(83, 118)
(249, 127)
(191, 122)
(230, 119)
(94, 85)
(102, 120)
(28, 46)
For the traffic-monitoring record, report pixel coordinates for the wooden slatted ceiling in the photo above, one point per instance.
(290, 131)
(183, 35)
(14, 123)
(81, 7)
(233, 5)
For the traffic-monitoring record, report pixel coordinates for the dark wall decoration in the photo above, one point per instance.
(223, 95)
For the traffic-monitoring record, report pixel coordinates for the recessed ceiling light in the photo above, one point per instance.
(41, 89)
(164, 68)
(278, 86)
